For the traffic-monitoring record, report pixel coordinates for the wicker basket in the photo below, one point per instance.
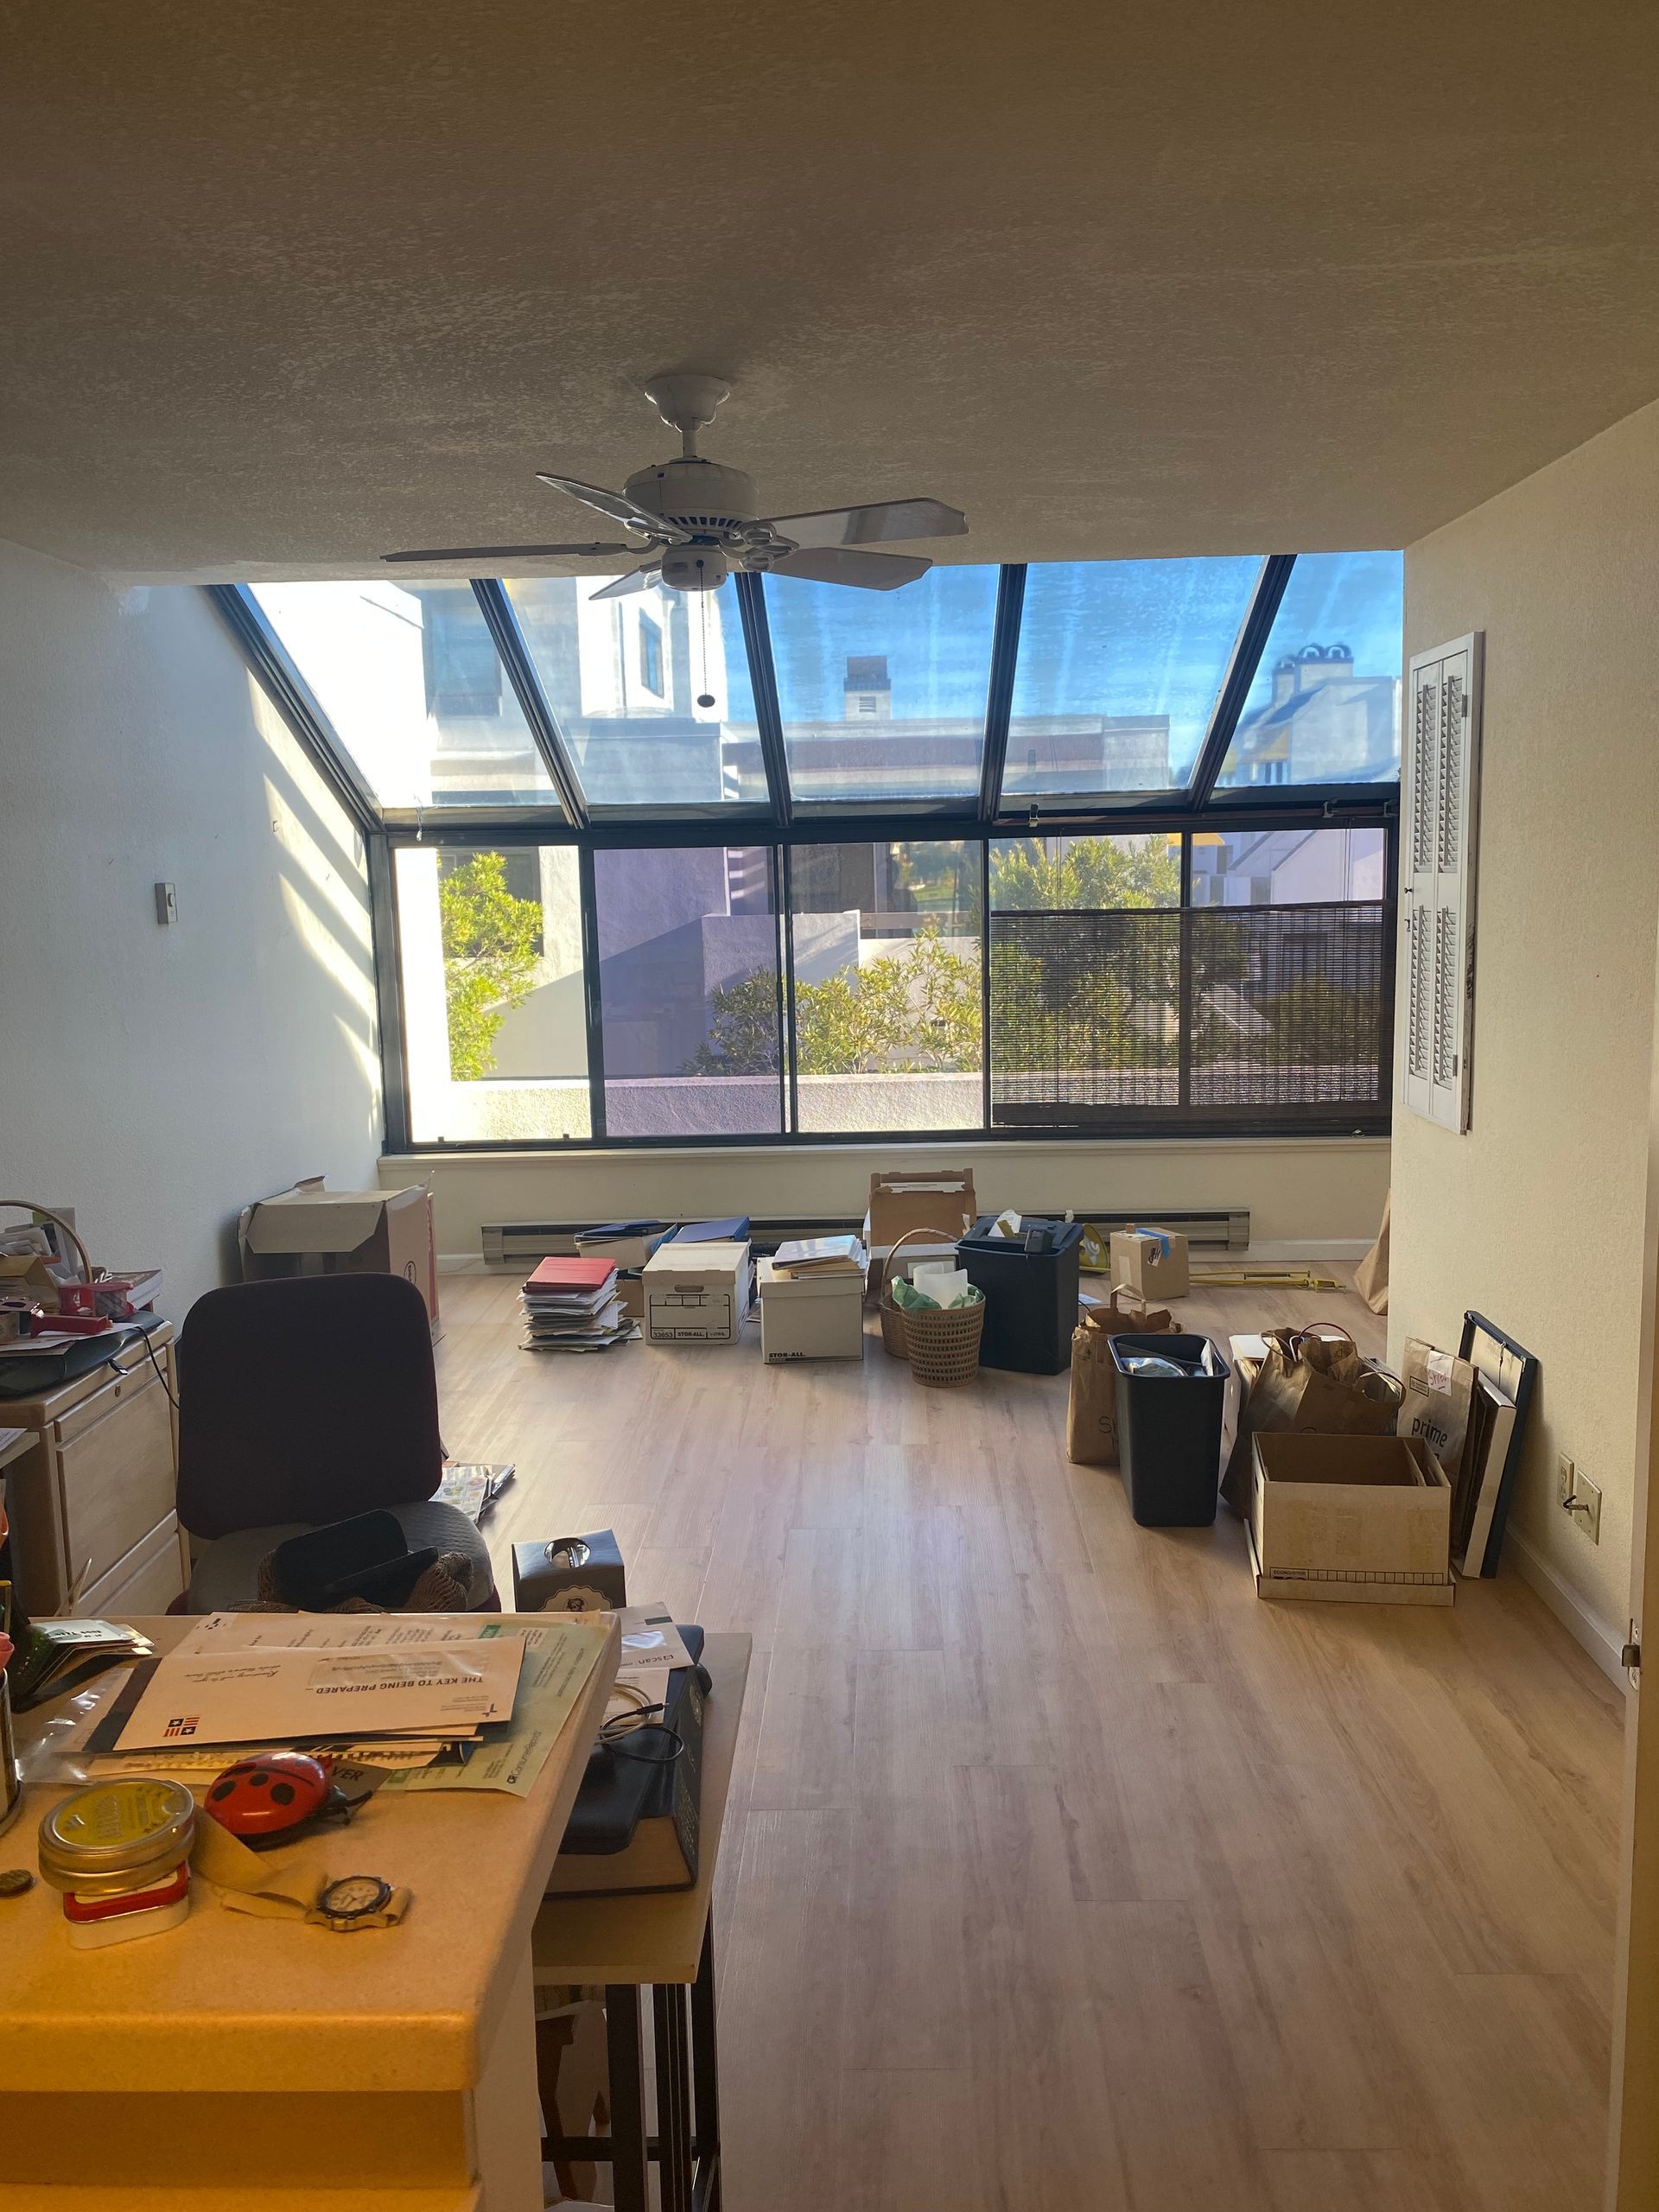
(892, 1317)
(944, 1343)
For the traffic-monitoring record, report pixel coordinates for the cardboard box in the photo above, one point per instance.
(901, 1200)
(1152, 1262)
(696, 1294)
(631, 1296)
(811, 1316)
(312, 1231)
(1364, 1520)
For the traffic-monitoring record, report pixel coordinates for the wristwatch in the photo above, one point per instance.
(357, 1901)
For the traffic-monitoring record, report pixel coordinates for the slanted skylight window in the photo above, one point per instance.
(408, 675)
(882, 694)
(1325, 707)
(650, 693)
(1121, 664)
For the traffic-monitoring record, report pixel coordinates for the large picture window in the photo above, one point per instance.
(1134, 982)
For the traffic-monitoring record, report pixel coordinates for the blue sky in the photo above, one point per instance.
(1112, 637)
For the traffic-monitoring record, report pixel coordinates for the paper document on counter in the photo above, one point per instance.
(650, 1638)
(561, 1651)
(271, 1693)
(384, 1754)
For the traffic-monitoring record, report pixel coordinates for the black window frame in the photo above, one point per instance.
(777, 825)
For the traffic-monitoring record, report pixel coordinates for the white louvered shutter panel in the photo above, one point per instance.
(1437, 922)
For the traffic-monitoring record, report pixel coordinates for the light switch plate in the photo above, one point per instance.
(1587, 1499)
(166, 903)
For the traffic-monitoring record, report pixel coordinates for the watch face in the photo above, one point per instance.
(356, 1895)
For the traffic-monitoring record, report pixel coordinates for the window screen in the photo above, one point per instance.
(1288, 1007)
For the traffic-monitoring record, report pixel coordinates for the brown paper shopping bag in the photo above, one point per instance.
(1313, 1382)
(1091, 1418)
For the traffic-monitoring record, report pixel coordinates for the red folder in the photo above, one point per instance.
(557, 1273)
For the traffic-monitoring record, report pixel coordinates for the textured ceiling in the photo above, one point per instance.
(286, 286)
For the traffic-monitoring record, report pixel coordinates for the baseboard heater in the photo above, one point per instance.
(510, 1243)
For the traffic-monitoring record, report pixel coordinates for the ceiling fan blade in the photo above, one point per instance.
(638, 581)
(607, 503)
(502, 552)
(885, 521)
(842, 565)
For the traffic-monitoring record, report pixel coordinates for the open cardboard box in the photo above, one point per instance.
(903, 1200)
(309, 1230)
(1362, 1520)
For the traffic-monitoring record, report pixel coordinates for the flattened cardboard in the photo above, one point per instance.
(309, 1230)
(809, 1317)
(1357, 1519)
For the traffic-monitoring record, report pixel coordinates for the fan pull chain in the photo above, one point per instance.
(705, 698)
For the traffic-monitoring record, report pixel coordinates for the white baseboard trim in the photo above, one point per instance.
(1587, 1629)
(1334, 1251)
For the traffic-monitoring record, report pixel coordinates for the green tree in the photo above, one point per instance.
(912, 1014)
(492, 939)
(900, 1016)
(742, 1029)
(1073, 874)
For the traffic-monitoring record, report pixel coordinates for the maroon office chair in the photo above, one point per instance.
(304, 1402)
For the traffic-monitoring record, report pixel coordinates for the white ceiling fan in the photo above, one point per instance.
(696, 520)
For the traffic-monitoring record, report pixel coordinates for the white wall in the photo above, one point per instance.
(1300, 1191)
(1536, 1217)
(157, 1079)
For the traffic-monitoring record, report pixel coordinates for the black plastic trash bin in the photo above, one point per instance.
(1030, 1282)
(1169, 1429)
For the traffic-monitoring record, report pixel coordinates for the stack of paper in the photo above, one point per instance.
(434, 1701)
(572, 1306)
(54, 1657)
(820, 1255)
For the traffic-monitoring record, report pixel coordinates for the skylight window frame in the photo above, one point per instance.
(578, 816)
(270, 662)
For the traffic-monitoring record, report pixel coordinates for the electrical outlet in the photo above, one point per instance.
(1567, 1476)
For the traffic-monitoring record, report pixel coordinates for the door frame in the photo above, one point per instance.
(1633, 2104)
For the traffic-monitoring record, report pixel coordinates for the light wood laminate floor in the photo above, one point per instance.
(1062, 1870)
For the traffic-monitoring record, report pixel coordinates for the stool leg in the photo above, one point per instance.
(627, 2097)
(673, 2098)
(705, 2062)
